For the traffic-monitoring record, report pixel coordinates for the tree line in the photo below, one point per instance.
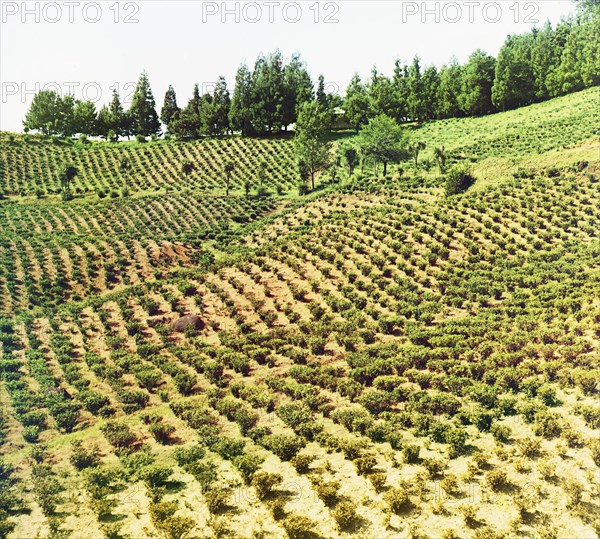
(531, 67)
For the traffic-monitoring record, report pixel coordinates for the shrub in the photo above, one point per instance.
(456, 439)
(410, 453)
(188, 455)
(247, 466)
(365, 464)
(496, 479)
(434, 466)
(83, 458)
(501, 433)
(118, 435)
(458, 179)
(298, 526)
(228, 448)
(398, 500)
(263, 482)
(204, 472)
(154, 475)
(594, 446)
(378, 480)
(162, 432)
(283, 445)
(31, 433)
(345, 514)
(217, 499)
(547, 425)
(574, 490)
(450, 484)
(469, 513)
(327, 491)
(302, 463)
(46, 488)
(529, 447)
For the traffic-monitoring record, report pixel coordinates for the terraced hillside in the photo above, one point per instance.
(29, 164)
(54, 252)
(375, 360)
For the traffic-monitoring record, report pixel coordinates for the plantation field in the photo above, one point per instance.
(55, 252)
(29, 164)
(373, 360)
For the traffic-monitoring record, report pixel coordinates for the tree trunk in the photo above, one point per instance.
(312, 180)
(384, 168)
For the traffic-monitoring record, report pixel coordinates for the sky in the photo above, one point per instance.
(89, 48)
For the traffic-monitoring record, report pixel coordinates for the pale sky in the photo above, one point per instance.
(87, 48)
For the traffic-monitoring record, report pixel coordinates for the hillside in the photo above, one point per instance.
(373, 360)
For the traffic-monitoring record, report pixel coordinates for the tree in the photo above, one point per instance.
(401, 92)
(66, 173)
(239, 111)
(169, 108)
(544, 60)
(459, 179)
(514, 83)
(321, 95)
(431, 83)
(357, 103)
(266, 91)
(112, 118)
(143, 109)
(440, 157)
(85, 118)
(298, 89)
(383, 140)
(214, 111)
(351, 158)
(229, 168)
(125, 168)
(45, 113)
(262, 173)
(416, 99)
(186, 124)
(449, 90)
(415, 149)
(381, 95)
(475, 98)
(311, 148)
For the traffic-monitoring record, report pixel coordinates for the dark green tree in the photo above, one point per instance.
(475, 98)
(85, 118)
(214, 111)
(449, 90)
(169, 108)
(382, 97)
(357, 103)
(298, 89)
(66, 174)
(143, 109)
(416, 98)
(514, 83)
(267, 92)
(228, 169)
(239, 112)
